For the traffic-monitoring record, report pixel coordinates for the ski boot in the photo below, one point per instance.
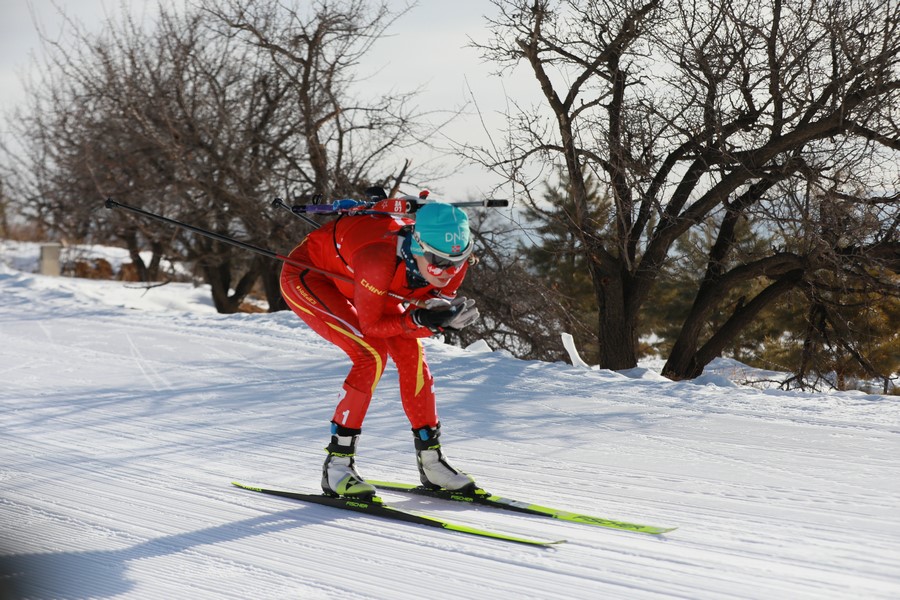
(434, 470)
(339, 476)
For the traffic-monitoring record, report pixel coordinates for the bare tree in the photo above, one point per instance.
(345, 133)
(520, 312)
(171, 119)
(699, 111)
(206, 117)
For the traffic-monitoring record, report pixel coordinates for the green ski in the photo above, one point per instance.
(483, 498)
(376, 507)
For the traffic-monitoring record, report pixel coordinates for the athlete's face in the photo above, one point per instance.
(436, 277)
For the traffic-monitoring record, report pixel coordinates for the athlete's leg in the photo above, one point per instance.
(316, 300)
(416, 382)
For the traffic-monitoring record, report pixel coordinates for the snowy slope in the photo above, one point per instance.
(127, 412)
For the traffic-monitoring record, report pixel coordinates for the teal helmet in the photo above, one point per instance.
(443, 230)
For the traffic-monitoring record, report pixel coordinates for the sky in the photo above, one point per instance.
(427, 50)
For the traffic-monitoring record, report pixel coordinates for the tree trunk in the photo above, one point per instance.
(271, 279)
(617, 322)
(134, 251)
(686, 361)
(219, 279)
(156, 248)
(682, 362)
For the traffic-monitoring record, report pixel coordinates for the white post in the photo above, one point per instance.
(50, 259)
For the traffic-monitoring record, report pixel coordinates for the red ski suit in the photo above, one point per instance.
(361, 317)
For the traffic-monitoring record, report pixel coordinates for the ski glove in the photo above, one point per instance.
(439, 303)
(459, 313)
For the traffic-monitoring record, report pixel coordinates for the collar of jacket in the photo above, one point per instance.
(414, 278)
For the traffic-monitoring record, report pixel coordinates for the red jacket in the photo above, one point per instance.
(366, 249)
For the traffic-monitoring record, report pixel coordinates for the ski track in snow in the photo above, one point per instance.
(126, 413)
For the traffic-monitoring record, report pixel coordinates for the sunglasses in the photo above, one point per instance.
(438, 265)
(441, 262)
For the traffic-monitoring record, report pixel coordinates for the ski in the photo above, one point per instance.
(376, 507)
(483, 498)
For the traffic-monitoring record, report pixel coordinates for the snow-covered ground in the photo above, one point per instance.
(126, 413)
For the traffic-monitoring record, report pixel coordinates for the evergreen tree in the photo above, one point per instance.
(840, 339)
(559, 260)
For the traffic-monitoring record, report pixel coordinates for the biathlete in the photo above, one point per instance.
(378, 259)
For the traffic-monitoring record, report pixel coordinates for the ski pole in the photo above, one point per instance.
(110, 203)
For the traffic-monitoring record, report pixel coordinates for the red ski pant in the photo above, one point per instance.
(316, 300)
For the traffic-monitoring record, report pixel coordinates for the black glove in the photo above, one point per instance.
(460, 313)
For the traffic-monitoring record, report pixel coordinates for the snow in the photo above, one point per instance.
(127, 412)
